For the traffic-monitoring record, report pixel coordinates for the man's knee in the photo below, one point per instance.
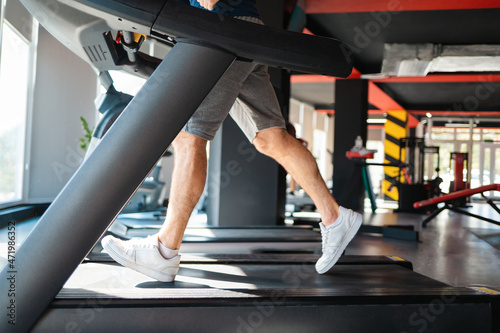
(270, 141)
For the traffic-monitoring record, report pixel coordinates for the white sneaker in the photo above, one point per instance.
(336, 238)
(143, 256)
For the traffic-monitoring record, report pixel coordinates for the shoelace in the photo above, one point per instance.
(139, 242)
(325, 234)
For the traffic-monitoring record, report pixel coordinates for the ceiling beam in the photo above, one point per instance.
(354, 6)
(378, 98)
(441, 78)
(451, 113)
(370, 112)
(434, 113)
(312, 79)
(407, 79)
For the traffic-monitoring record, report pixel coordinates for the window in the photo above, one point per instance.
(485, 161)
(14, 76)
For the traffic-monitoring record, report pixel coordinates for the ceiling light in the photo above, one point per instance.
(459, 125)
(376, 121)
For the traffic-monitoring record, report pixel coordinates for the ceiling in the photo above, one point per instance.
(367, 25)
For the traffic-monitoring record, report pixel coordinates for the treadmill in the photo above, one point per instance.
(55, 291)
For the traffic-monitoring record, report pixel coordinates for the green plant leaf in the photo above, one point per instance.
(85, 141)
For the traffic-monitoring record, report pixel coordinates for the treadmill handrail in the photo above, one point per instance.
(81, 24)
(263, 44)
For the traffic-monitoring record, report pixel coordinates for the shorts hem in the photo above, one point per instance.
(200, 134)
(272, 125)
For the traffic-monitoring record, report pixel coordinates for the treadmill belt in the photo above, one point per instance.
(245, 280)
(249, 294)
(353, 275)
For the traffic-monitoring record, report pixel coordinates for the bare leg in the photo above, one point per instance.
(188, 181)
(292, 185)
(301, 165)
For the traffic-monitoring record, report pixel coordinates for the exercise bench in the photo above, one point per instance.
(449, 200)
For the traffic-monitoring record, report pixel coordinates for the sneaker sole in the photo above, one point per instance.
(347, 239)
(162, 277)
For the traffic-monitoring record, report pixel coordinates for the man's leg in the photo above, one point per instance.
(157, 256)
(339, 225)
(301, 165)
(188, 182)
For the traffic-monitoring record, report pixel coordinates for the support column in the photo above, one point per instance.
(351, 113)
(396, 127)
(105, 182)
(242, 183)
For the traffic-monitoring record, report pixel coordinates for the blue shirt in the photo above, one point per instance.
(232, 7)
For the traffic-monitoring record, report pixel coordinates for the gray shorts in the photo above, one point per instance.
(247, 95)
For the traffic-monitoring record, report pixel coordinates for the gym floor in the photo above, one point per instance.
(448, 251)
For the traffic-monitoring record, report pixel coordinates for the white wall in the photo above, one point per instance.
(329, 129)
(306, 120)
(65, 89)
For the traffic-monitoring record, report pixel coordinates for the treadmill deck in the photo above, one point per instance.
(211, 292)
